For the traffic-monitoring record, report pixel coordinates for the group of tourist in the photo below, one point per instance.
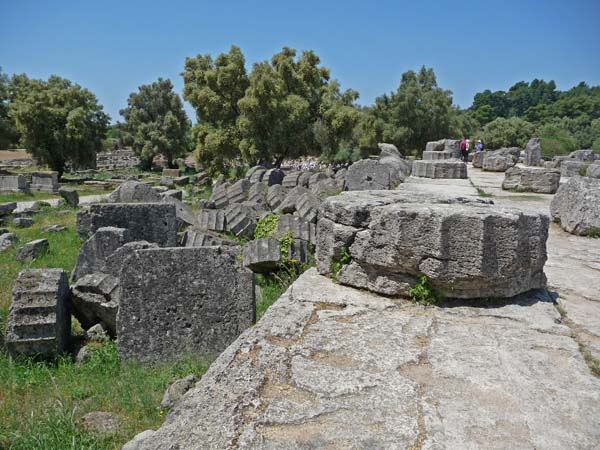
(465, 147)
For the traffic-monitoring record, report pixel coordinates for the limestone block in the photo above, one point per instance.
(262, 255)
(576, 205)
(532, 179)
(439, 169)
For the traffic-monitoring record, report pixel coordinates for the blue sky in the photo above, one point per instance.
(111, 47)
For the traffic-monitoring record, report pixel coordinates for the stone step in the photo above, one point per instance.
(33, 346)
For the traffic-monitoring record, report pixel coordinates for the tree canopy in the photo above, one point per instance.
(59, 122)
(156, 122)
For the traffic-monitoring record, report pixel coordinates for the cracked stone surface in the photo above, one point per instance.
(332, 367)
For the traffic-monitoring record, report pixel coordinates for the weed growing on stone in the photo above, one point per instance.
(266, 226)
(337, 264)
(424, 293)
(594, 232)
(482, 193)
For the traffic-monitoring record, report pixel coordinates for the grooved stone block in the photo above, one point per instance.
(219, 195)
(152, 222)
(238, 192)
(182, 301)
(44, 182)
(435, 156)
(262, 255)
(275, 196)
(39, 322)
(467, 248)
(439, 169)
(211, 219)
(13, 184)
(240, 220)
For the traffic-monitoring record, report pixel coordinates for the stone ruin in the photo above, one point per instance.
(441, 159)
(118, 159)
(44, 182)
(576, 206)
(393, 238)
(39, 320)
(11, 184)
(532, 179)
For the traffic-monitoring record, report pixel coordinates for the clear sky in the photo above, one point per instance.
(111, 47)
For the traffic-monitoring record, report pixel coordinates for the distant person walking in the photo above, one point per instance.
(464, 152)
(479, 146)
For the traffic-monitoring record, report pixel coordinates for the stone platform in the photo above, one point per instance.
(439, 169)
(331, 367)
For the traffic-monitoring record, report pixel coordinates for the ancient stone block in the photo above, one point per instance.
(389, 150)
(219, 195)
(194, 237)
(95, 299)
(240, 220)
(176, 390)
(304, 179)
(22, 222)
(134, 192)
(199, 298)
(585, 155)
(32, 250)
(177, 194)
(257, 194)
(404, 235)
(368, 174)
(181, 181)
(13, 184)
(273, 176)
(211, 219)
(593, 171)
(477, 159)
(275, 195)
(69, 195)
(173, 173)
(316, 177)
(435, 156)
(288, 205)
(532, 179)
(298, 227)
(439, 169)
(327, 188)
(576, 205)
(262, 255)
(44, 182)
(152, 222)
(332, 239)
(118, 159)
(200, 179)
(7, 240)
(97, 248)
(7, 208)
(184, 214)
(291, 179)
(113, 263)
(238, 192)
(307, 207)
(256, 174)
(572, 168)
(533, 152)
(493, 162)
(39, 321)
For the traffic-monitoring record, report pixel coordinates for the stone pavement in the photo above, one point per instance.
(331, 367)
(21, 206)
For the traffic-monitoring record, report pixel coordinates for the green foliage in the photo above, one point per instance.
(337, 263)
(157, 123)
(266, 226)
(42, 402)
(556, 140)
(424, 293)
(513, 132)
(594, 232)
(59, 122)
(418, 112)
(285, 244)
(8, 130)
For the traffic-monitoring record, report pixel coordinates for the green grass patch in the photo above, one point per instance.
(594, 232)
(33, 196)
(42, 402)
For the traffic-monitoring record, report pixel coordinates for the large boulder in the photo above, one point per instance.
(533, 152)
(467, 248)
(497, 163)
(576, 206)
(39, 319)
(31, 250)
(368, 174)
(532, 179)
(134, 192)
(199, 298)
(113, 264)
(572, 168)
(389, 150)
(69, 195)
(94, 251)
(439, 169)
(262, 255)
(585, 155)
(7, 208)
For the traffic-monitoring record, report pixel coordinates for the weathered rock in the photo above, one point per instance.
(407, 235)
(3, 231)
(444, 145)
(494, 162)
(23, 222)
(134, 192)
(7, 208)
(332, 239)
(240, 220)
(200, 298)
(181, 181)
(576, 205)
(201, 238)
(10, 184)
(238, 192)
(288, 205)
(307, 207)
(257, 194)
(200, 179)
(435, 156)
(101, 422)
(389, 150)
(69, 195)
(298, 227)
(7, 240)
(152, 222)
(593, 171)
(184, 214)
(177, 194)
(139, 440)
(44, 182)
(401, 168)
(533, 152)
(262, 255)
(316, 177)
(176, 390)
(211, 219)
(368, 174)
(95, 299)
(275, 195)
(439, 169)
(299, 251)
(532, 179)
(291, 179)
(585, 155)
(113, 264)
(273, 176)
(93, 253)
(32, 250)
(96, 333)
(304, 179)
(219, 195)
(327, 188)
(572, 168)
(173, 173)
(39, 321)
(478, 159)
(54, 229)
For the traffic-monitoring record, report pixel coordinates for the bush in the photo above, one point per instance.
(513, 132)
(556, 141)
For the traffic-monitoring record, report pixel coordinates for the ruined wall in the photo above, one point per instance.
(119, 159)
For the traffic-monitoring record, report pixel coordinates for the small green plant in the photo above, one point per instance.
(266, 226)
(343, 260)
(424, 293)
(285, 244)
(594, 232)
(482, 193)
(583, 170)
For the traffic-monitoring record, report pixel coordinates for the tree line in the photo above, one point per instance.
(285, 107)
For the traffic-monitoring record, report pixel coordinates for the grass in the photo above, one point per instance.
(82, 189)
(42, 402)
(482, 193)
(272, 286)
(594, 232)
